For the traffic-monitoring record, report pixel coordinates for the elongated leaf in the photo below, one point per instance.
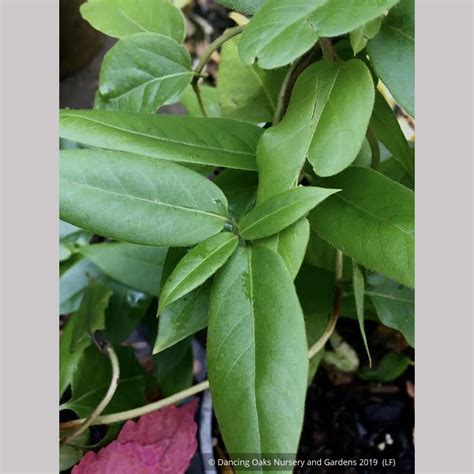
(183, 318)
(142, 72)
(395, 305)
(137, 266)
(174, 368)
(371, 220)
(282, 30)
(246, 92)
(387, 129)
(197, 266)
(390, 367)
(92, 378)
(358, 283)
(392, 53)
(245, 6)
(326, 123)
(73, 282)
(137, 199)
(219, 142)
(90, 316)
(394, 170)
(257, 354)
(240, 188)
(280, 211)
(120, 18)
(361, 35)
(68, 361)
(291, 244)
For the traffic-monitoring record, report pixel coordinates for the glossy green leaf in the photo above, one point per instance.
(257, 373)
(245, 6)
(361, 35)
(390, 367)
(219, 142)
(394, 170)
(371, 220)
(358, 283)
(283, 30)
(246, 92)
(183, 318)
(68, 361)
(138, 199)
(387, 130)
(90, 316)
(240, 188)
(137, 266)
(92, 378)
(280, 211)
(197, 266)
(142, 72)
(291, 244)
(189, 101)
(73, 282)
(174, 368)
(392, 53)
(326, 123)
(119, 18)
(395, 305)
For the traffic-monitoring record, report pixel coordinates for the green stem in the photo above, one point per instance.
(215, 45)
(279, 109)
(374, 149)
(93, 418)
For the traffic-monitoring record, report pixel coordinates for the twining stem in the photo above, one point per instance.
(329, 53)
(94, 416)
(374, 149)
(279, 109)
(215, 45)
(195, 389)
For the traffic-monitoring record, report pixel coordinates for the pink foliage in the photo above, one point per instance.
(161, 442)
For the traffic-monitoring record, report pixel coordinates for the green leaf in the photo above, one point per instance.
(136, 266)
(361, 35)
(119, 18)
(174, 368)
(240, 188)
(257, 354)
(358, 283)
(138, 199)
(291, 244)
(387, 130)
(390, 367)
(209, 96)
(278, 212)
(68, 361)
(90, 316)
(395, 305)
(394, 170)
(218, 142)
(71, 238)
(126, 309)
(371, 220)
(246, 92)
(245, 6)
(183, 318)
(68, 456)
(197, 266)
(326, 123)
(392, 53)
(73, 282)
(92, 379)
(142, 72)
(283, 30)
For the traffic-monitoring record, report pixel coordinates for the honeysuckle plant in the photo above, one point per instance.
(283, 200)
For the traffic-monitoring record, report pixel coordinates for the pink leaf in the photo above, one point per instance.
(160, 442)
